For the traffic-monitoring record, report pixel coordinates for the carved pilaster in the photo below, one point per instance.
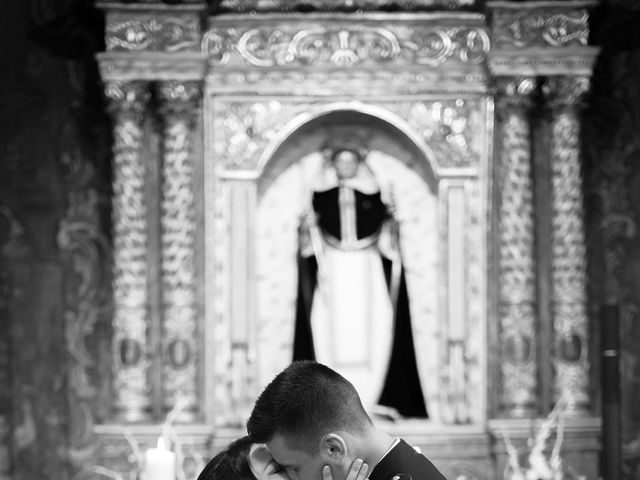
(242, 203)
(517, 293)
(568, 257)
(130, 319)
(178, 223)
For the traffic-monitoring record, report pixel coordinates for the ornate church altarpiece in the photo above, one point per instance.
(245, 105)
(273, 80)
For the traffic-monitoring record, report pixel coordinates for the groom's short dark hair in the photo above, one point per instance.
(304, 402)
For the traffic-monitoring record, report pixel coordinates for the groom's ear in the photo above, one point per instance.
(259, 459)
(333, 448)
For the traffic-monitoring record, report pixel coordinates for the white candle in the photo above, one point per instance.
(160, 463)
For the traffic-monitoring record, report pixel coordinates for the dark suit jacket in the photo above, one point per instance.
(405, 461)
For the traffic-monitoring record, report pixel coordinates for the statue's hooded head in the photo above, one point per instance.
(346, 150)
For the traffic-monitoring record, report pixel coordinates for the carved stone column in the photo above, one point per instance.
(178, 226)
(517, 290)
(568, 262)
(130, 318)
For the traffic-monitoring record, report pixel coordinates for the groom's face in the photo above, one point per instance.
(298, 464)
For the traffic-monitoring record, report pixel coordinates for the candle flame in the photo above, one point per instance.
(161, 444)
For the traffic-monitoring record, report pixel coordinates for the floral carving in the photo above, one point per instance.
(150, 32)
(546, 28)
(449, 127)
(245, 129)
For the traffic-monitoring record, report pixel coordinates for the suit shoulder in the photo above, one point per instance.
(421, 468)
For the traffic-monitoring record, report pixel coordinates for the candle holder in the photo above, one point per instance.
(164, 461)
(535, 464)
(167, 460)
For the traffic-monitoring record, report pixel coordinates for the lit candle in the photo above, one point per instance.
(160, 463)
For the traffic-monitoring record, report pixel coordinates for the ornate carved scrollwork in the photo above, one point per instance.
(568, 243)
(517, 296)
(86, 250)
(178, 225)
(334, 5)
(321, 44)
(152, 32)
(130, 345)
(524, 28)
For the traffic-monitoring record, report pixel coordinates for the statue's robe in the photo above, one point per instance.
(352, 310)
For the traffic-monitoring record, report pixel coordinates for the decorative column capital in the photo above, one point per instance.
(180, 98)
(514, 93)
(128, 98)
(565, 91)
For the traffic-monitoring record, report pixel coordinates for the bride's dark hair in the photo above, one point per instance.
(232, 463)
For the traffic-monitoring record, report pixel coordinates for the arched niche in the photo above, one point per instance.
(401, 162)
(254, 146)
(307, 133)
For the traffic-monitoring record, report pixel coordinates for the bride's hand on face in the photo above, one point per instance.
(358, 471)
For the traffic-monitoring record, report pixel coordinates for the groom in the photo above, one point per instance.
(309, 416)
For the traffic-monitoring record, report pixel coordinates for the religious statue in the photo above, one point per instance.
(352, 310)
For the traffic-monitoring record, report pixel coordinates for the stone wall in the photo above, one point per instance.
(54, 310)
(611, 146)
